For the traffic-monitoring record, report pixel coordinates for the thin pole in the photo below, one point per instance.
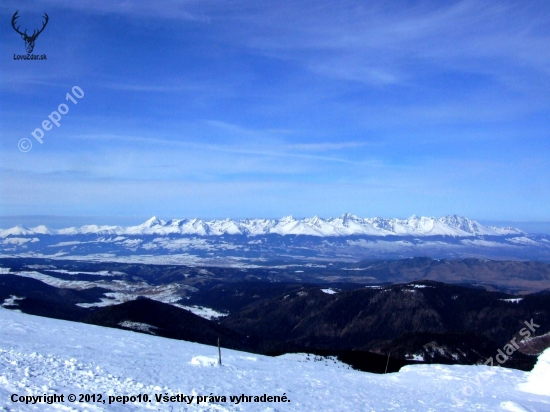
(219, 353)
(387, 362)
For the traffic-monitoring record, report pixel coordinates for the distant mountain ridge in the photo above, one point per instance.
(345, 225)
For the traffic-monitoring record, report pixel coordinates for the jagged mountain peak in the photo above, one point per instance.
(154, 221)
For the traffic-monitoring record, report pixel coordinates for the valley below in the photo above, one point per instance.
(372, 314)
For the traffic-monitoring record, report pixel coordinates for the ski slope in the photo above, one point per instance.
(46, 356)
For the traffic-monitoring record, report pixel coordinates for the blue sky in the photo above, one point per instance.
(242, 108)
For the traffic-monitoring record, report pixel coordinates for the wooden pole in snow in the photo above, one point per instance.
(387, 362)
(219, 353)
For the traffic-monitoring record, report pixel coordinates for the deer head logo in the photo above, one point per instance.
(29, 40)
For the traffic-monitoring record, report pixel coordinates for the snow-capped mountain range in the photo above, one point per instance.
(234, 242)
(345, 225)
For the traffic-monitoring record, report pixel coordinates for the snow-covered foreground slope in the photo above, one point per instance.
(45, 356)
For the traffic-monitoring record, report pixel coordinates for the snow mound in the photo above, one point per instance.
(141, 327)
(203, 361)
(512, 407)
(538, 381)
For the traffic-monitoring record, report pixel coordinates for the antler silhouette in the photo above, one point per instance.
(46, 19)
(29, 40)
(13, 19)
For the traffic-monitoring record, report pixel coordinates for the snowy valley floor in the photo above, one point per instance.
(45, 356)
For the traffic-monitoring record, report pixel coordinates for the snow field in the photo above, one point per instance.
(46, 356)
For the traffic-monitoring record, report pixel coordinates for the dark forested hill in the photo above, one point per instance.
(422, 320)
